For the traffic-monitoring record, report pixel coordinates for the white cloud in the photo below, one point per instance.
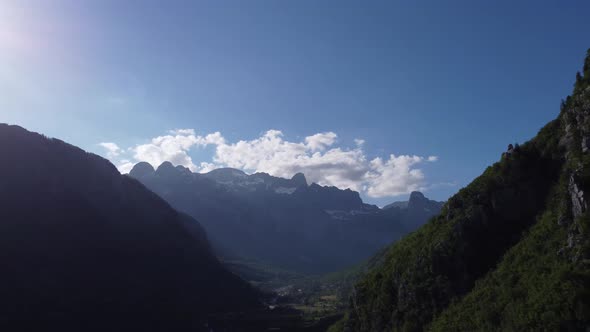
(316, 156)
(321, 141)
(172, 148)
(113, 149)
(207, 167)
(125, 166)
(211, 139)
(395, 176)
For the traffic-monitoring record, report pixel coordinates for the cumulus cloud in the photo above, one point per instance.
(211, 139)
(173, 148)
(316, 156)
(395, 176)
(112, 149)
(321, 141)
(125, 166)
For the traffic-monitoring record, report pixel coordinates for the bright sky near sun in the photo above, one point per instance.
(383, 97)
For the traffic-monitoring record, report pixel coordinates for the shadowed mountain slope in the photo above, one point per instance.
(84, 248)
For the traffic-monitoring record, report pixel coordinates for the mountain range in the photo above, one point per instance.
(284, 222)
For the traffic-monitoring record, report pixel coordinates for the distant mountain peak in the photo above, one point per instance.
(419, 202)
(416, 204)
(167, 170)
(141, 169)
(299, 179)
(165, 165)
(416, 195)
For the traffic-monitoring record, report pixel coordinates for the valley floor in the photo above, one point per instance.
(295, 302)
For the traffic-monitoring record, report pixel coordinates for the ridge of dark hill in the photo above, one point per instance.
(84, 248)
(510, 252)
(284, 222)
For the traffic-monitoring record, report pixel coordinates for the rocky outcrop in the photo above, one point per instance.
(579, 204)
(299, 180)
(585, 144)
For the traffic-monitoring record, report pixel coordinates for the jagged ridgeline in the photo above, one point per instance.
(508, 252)
(284, 222)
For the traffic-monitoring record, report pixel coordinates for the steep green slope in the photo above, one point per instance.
(533, 288)
(509, 251)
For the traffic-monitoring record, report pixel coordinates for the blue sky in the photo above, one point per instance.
(458, 80)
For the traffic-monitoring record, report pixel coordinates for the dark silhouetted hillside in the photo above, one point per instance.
(84, 248)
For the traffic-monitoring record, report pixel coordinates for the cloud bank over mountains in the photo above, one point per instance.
(317, 156)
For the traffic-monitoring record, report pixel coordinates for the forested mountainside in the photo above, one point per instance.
(510, 252)
(284, 222)
(86, 249)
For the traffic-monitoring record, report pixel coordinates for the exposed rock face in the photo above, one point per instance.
(585, 144)
(417, 201)
(579, 204)
(576, 114)
(299, 180)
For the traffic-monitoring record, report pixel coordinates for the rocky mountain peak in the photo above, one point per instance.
(165, 166)
(417, 196)
(141, 169)
(416, 199)
(299, 180)
(419, 202)
(166, 169)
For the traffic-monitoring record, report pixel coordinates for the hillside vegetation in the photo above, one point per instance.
(508, 252)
